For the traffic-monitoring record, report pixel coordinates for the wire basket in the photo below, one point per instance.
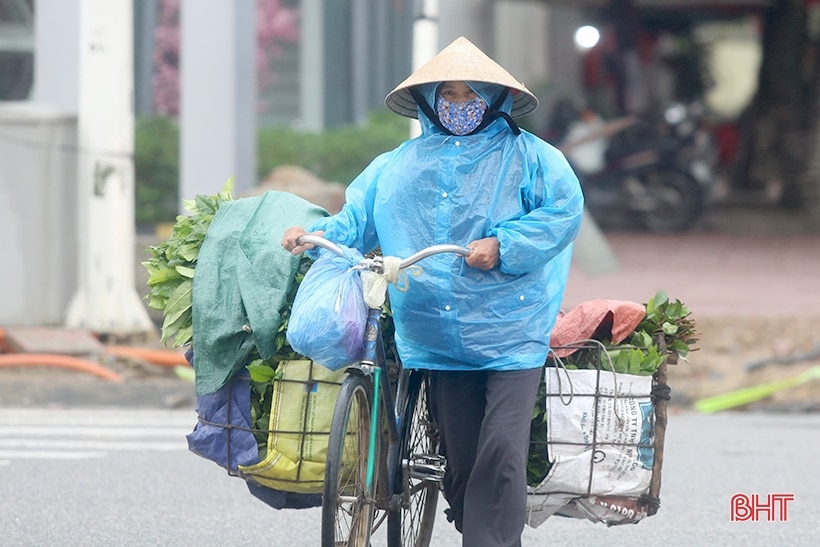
(597, 439)
(286, 457)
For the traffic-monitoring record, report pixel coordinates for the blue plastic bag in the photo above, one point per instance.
(328, 316)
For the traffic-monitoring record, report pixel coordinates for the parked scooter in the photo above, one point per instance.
(698, 150)
(653, 171)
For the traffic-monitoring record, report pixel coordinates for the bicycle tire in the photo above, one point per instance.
(412, 524)
(348, 505)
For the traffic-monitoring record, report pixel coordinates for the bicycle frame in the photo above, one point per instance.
(370, 378)
(374, 362)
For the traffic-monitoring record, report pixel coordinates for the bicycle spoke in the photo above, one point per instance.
(421, 471)
(348, 505)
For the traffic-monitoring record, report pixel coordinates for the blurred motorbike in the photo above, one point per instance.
(654, 170)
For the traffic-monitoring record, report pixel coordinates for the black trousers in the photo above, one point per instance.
(484, 419)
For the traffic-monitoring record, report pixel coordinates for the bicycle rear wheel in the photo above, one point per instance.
(420, 472)
(348, 503)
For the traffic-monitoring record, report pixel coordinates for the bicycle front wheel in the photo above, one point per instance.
(348, 503)
(420, 471)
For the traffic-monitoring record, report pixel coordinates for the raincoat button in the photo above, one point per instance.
(521, 297)
(447, 308)
(458, 143)
(444, 194)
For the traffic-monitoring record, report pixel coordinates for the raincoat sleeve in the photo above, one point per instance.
(353, 226)
(553, 197)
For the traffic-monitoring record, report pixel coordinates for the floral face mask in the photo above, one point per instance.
(461, 118)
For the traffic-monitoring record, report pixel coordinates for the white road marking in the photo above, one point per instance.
(47, 455)
(86, 431)
(61, 434)
(71, 444)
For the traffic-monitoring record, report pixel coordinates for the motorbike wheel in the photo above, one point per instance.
(670, 201)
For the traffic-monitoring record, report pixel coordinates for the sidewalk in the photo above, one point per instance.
(739, 263)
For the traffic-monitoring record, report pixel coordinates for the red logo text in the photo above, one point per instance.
(772, 507)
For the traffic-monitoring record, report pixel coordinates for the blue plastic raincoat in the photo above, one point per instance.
(439, 188)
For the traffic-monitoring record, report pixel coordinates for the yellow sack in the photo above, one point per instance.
(301, 410)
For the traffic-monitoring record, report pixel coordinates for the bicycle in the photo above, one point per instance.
(381, 408)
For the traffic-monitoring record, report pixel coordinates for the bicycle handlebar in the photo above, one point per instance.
(320, 242)
(409, 261)
(435, 249)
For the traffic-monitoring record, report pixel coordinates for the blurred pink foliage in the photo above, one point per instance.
(166, 58)
(276, 24)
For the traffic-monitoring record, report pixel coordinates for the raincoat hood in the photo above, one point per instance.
(498, 99)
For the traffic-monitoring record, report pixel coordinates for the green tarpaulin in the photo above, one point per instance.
(242, 279)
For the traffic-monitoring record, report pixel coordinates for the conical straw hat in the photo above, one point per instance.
(460, 61)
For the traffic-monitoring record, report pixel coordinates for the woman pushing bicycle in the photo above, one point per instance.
(479, 324)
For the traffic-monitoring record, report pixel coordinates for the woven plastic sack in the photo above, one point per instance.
(599, 438)
(301, 410)
(328, 316)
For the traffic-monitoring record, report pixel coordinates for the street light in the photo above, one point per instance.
(587, 37)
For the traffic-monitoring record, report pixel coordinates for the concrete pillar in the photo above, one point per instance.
(145, 21)
(361, 70)
(311, 77)
(425, 42)
(106, 300)
(38, 214)
(217, 96)
(327, 69)
(525, 59)
(472, 19)
(542, 62)
(564, 60)
(57, 54)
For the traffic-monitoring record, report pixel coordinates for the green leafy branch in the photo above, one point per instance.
(666, 333)
(669, 321)
(171, 266)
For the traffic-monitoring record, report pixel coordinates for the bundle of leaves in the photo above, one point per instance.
(670, 323)
(171, 266)
(665, 334)
(538, 463)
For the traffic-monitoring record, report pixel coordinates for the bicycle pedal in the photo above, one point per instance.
(428, 467)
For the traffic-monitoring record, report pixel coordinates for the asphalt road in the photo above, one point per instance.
(124, 477)
(120, 473)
